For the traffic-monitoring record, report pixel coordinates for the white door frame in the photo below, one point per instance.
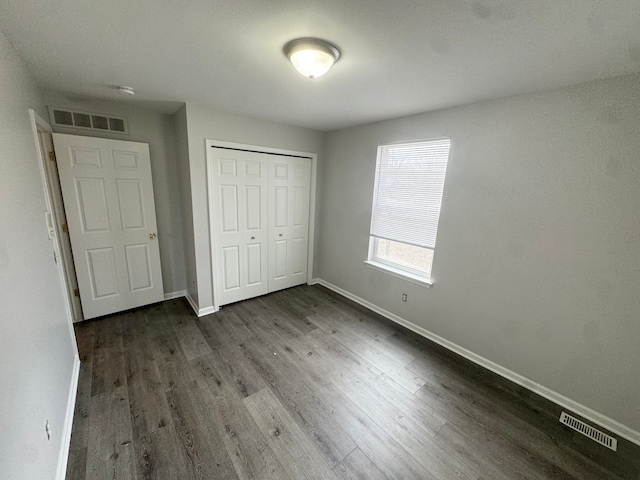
(209, 143)
(38, 125)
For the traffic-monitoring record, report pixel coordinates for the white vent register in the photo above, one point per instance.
(64, 117)
(588, 431)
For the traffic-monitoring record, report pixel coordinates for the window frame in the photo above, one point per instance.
(397, 270)
(405, 272)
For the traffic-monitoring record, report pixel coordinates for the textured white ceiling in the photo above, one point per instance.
(399, 57)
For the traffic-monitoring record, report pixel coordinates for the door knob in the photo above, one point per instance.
(253, 238)
(152, 236)
(279, 234)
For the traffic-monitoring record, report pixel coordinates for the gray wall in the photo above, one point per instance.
(37, 349)
(157, 130)
(184, 178)
(204, 123)
(537, 262)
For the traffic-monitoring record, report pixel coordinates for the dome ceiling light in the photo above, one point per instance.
(126, 91)
(311, 57)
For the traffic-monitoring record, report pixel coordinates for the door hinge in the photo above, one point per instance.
(76, 292)
(52, 156)
(65, 228)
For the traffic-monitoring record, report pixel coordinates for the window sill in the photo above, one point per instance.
(396, 272)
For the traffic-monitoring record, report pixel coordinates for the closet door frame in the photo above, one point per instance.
(212, 199)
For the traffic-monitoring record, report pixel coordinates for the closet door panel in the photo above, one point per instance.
(240, 249)
(289, 187)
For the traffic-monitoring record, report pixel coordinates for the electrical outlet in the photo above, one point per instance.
(47, 429)
(404, 297)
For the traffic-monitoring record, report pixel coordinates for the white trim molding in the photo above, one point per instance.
(200, 312)
(582, 410)
(63, 457)
(178, 294)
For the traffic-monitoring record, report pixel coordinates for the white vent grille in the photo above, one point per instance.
(588, 431)
(63, 117)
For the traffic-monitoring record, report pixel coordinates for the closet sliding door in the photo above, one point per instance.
(260, 222)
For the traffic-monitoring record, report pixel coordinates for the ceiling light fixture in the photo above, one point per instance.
(311, 57)
(128, 91)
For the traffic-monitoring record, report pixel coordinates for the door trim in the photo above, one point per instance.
(38, 124)
(211, 143)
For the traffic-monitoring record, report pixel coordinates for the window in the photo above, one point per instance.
(406, 207)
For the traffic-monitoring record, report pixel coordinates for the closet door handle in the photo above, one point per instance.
(279, 234)
(253, 238)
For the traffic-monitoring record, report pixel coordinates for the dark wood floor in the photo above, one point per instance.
(302, 384)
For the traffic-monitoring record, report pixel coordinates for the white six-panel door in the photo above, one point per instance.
(240, 190)
(289, 183)
(108, 198)
(260, 222)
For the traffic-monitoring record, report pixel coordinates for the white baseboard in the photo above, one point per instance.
(63, 457)
(200, 312)
(206, 311)
(585, 412)
(193, 304)
(172, 295)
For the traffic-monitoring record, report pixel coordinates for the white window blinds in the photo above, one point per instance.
(408, 191)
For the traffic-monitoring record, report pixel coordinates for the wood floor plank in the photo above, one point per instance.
(80, 428)
(357, 466)
(408, 379)
(108, 332)
(359, 322)
(159, 456)
(163, 394)
(522, 439)
(191, 340)
(373, 440)
(297, 454)
(363, 383)
(252, 457)
(147, 401)
(77, 464)
(172, 363)
(289, 384)
(416, 439)
(110, 451)
(226, 366)
(195, 423)
(335, 320)
(297, 320)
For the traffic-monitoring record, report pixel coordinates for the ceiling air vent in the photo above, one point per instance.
(63, 117)
(588, 431)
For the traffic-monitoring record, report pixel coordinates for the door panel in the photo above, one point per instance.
(231, 268)
(240, 252)
(92, 205)
(254, 264)
(297, 260)
(289, 188)
(253, 200)
(108, 197)
(138, 267)
(229, 208)
(131, 203)
(102, 272)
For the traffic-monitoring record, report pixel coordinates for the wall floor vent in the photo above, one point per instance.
(588, 431)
